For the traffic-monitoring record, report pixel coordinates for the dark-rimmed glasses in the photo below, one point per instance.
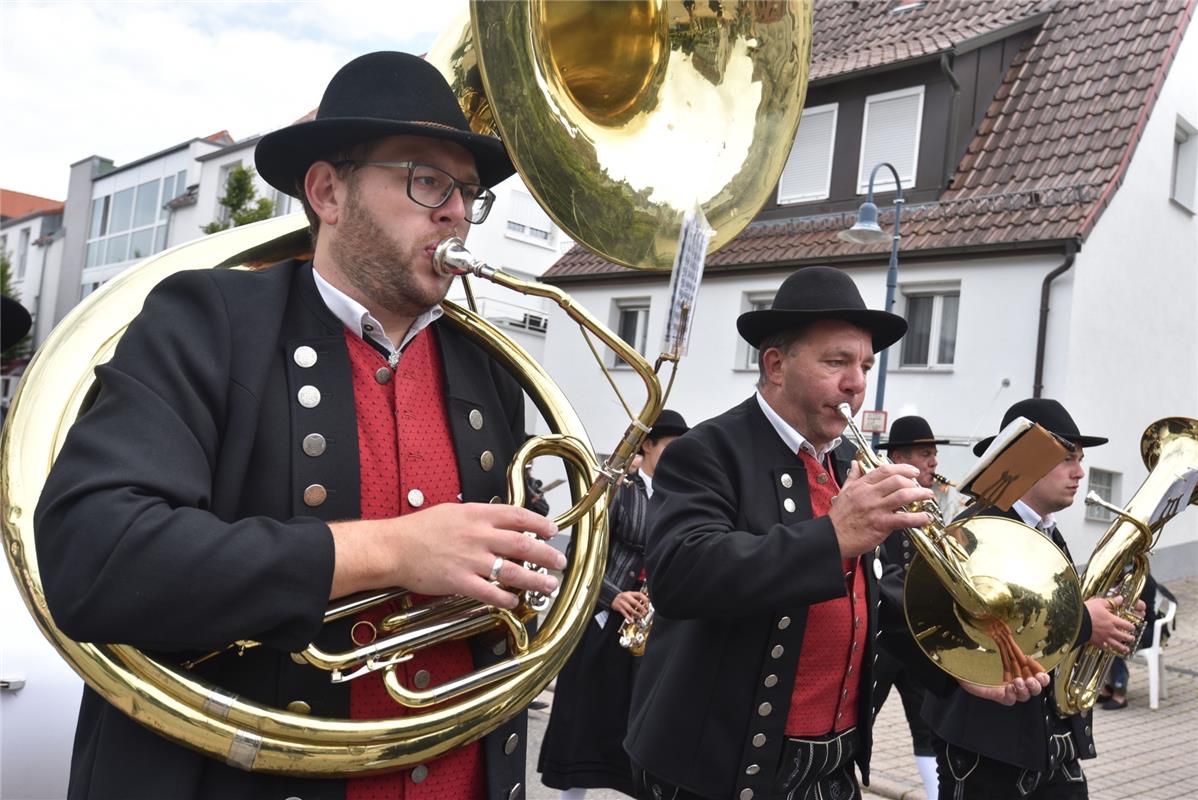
(432, 187)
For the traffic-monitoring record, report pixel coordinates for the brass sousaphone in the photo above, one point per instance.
(621, 117)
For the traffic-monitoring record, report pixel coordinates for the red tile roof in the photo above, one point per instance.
(1050, 152)
(14, 205)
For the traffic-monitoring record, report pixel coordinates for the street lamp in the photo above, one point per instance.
(867, 231)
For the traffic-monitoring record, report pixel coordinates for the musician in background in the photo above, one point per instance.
(757, 681)
(583, 746)
(910, 442)
(986, 752)
(265, 441)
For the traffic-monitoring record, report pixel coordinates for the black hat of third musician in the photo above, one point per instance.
(1048, 414)
(815, 293)
(374, 96)
(14, 322)
(668, 423)
(910, 432)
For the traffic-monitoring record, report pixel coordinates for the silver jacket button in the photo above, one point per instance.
(422, 679)
(789, 505)
(486, 460)
(308, 396)
(304, 356)
(314, 445)
(419, 774)
(510, 745)
(787, 481)
(315, 495)
(415, 498)
(476, 419)
(383, 375)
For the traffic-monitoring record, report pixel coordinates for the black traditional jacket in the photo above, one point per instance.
(184, 513)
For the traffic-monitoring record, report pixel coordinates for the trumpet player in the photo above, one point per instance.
(911, 441)
(989, 752)
(583, 746)
(264, 441)
(756, 683)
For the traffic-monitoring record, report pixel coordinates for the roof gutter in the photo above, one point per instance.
(1042, 331)
(950, 161)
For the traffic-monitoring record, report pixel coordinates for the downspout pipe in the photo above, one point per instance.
(950, 151)
(1042, 332)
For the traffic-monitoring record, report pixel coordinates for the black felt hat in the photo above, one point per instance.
(377, 95)
(14, 322)
(669, 423)
(1050, 415)
(815, 293)
(910, 432)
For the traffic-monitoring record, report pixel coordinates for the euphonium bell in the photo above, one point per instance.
(988, 599)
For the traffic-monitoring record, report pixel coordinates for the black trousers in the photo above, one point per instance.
(809, 769)
(888, 672)
(970, 776)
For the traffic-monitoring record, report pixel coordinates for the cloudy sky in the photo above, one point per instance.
(126, 79)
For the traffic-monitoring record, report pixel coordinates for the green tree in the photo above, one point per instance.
(241, 198)
(21, 348)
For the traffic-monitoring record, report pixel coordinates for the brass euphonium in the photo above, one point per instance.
(1119, 564)
(634, 633)
(697, 107)
(987, 599)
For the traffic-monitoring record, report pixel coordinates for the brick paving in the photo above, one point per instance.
(1142, 754)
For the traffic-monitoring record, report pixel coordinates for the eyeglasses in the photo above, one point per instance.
(432, 187)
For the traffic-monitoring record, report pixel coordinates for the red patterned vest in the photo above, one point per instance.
(407, 462)
(824, 698)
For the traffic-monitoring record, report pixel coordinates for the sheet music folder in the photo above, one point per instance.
(1021, 454)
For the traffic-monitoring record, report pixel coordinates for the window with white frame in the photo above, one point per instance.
(1185, 166)
(1106, 485)
(528, 222)
(808, 172)
(931, 339)
(131, 223)
(22, 253)
(753, 301)
(890, 132)
(282, 202)
(223, 214)
(631, 317)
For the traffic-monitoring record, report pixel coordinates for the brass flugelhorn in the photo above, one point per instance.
(697, 109)
(987, 599)
(1119, 564)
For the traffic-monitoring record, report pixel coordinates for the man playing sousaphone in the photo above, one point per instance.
(757, 680)
(985, 752)
(264, 441)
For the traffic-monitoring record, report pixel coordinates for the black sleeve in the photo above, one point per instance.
(127, 547)
(703, 566)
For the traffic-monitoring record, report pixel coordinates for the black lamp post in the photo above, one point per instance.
(867, 231)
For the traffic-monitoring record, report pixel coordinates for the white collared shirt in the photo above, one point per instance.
(794, 440)
(1029, 515)
(647, 479)
(361, 323)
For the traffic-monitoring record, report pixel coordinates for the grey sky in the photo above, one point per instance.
(126, 79)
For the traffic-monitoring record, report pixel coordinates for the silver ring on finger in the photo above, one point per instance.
(496, 567)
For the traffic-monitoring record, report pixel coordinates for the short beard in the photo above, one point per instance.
(375, 264)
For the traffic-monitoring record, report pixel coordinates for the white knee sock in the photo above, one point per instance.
(579, 794)
(927, 771)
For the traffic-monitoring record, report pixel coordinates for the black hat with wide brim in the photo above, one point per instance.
(15, 322)
(668, 423)
(910, 432)
(815, 293)
(1048, 414)
(374, 96)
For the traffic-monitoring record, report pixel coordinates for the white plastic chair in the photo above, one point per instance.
(1157, 688)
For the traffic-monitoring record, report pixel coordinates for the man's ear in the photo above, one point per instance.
(325, 191)
(771, 362)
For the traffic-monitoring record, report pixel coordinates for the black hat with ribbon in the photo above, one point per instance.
(815, 293)
(374, 96)
(668, 423)
(910, 432)
(1048, 414)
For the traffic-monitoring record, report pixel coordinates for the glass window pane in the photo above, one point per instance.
(627, 327)
(168, 188)
(160, 239)
(118, 249)
(99, 212)
(948, 328)
(94, 249)
(919, 323)
(141, 242)
(181, 182)
(122, 211)
(145, 210)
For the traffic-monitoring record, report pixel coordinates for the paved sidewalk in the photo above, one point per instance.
(1142, 754)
